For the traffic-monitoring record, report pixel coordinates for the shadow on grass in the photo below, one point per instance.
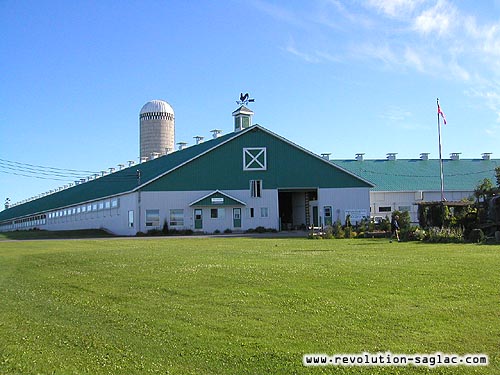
(51, 235)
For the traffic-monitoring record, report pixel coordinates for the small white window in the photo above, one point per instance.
(176, 218)
(256, 188)
(131, 219)
(217, 213)
(250, 211)
(264, 212)
(152, 218)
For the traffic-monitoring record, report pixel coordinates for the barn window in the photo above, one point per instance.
(256, 188)
(131, 219)
(152, 218)
(177, 218)
(217, 213)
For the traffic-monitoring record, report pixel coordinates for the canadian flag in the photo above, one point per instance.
(442, 114)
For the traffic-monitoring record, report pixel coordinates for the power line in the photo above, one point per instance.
(33, 176)
(45, 167)
(57, 174)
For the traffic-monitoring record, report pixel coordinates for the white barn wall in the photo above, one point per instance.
(343, 199)
(398, 200)
(114, 220)
(165, 201)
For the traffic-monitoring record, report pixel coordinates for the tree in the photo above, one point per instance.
(497, 172)
(484, 189)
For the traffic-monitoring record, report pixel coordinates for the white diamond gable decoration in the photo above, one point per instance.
(254, 159)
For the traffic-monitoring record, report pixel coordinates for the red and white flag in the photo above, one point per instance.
(442, 114)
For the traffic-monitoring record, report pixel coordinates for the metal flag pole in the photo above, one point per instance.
(440, 153)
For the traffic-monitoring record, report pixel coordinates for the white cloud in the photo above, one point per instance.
(395, 8)
(395, 113)
(439, 19)
(325, 56)
(400, 118)
(290, 48)
(412, 58)
(382, 52)
(490, 95)
(458, 71)
(333, 12)
(430, 37)
(278, 12)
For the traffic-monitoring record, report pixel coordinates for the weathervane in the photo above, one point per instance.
(245, 99)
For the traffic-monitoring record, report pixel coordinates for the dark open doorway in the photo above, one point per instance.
(294, 208)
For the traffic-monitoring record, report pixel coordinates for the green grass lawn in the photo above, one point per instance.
(242, 306)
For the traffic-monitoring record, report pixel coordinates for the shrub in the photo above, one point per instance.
(416, 234)
(228, 231)
(216, 231)
(476, 236)
(328, 233)
(338, 231)
(154, 232)
(348, 232)
(444, 235)
(385, 224)
(164, 230)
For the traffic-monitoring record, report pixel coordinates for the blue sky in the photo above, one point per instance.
(333, 76)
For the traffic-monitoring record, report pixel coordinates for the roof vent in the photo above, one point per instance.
(359, 156)
(455, 155)
(182, 145)
(111, 170)
(199, 139)
(391, 155)
(216, 133)
(154, 155)
(326, 155)
(144, 159)
(121, 166)
(131, 163)
(424, 156)
(486, 155)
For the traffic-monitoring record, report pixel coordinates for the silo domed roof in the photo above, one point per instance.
(156, 106)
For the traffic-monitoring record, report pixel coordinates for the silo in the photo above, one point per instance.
(157, 128)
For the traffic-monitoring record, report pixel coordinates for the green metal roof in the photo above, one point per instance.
(113, 184)
(287, 166)
(205, 166)
(417, 174)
